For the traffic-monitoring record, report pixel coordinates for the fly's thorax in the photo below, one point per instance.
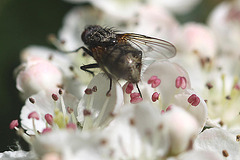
(96, 35)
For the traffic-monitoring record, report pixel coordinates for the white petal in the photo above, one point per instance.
(17, 155)
(199, 111)
(167, 72)
(197, 155)
(218, 140)
(182, 129)
(178, 6)
(136, 132)
(100, 105)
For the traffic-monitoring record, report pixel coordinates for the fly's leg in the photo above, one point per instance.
(139, 90)
(89, 66)
(86, 51)
(110, 88)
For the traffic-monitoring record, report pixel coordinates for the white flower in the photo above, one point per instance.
(96, 108)
(142, 131)
(17, 155)
(47, 69)
(165, 84)
(121, 9)
(60, 105)
(198, 39)
(154, 21)
(177, 6)
(197, 155)
(72, 145)
(222, 142)
(224, 20)
(36, 75)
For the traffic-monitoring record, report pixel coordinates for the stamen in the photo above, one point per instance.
(135, 98)
(129, 88)
(33, 115)
(132, 121)
(193, 100)
(54, 97)
(88, 122)
(181, 82)
(225, 153)
(103, 142)
(46, 130)
(71, 68)
(228, 97)
(88, 91)
(94, 89)
(49, 118)
(69, 110)
(60, 91)
(238, 138)
(155, 96)
(13, 124)
(156, 83)
(209, 85)
(71, 126)
(32, 100)
(153, 78)
(169, 108)
(221, 123)
(86, 112)
(237, 87)
(162, 112)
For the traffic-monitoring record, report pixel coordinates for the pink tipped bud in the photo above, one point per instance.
(181, 82)
(54, 97)
(155, 96)
(156, 83)
(46, 130)
(13, 124)
(135, 98)
(49, 118)
(71, 126)
(129, 88)
(152, 79)
(33, 115)
(193, 100)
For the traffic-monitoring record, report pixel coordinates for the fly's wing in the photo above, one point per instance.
(153, 48)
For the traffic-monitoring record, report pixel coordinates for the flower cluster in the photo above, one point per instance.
(179, 113)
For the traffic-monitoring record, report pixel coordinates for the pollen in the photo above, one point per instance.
(154, 81)
(193, 100)
(181, 82)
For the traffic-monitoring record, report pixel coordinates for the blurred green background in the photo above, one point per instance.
(26, 22)
(22, 23)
